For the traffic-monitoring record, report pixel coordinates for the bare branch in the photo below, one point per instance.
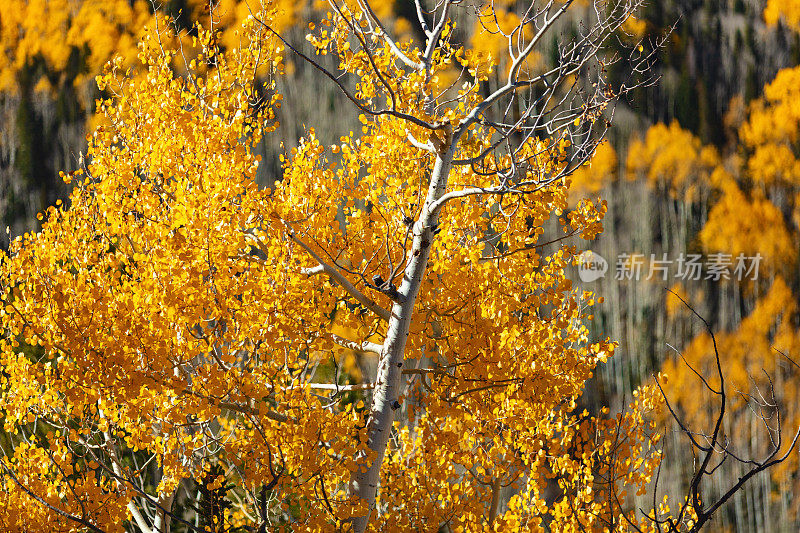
(341, 388)
(421, 17)
(327, 73)
(399, 53)
(715, 447)
(365, 346)
(428, 147)
(331, 271)
(435, 34)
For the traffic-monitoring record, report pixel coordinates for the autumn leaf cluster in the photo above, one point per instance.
(172, 318)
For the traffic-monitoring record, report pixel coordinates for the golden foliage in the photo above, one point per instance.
(59, 478)
(176, 313)
(596, 173)
(755, 194)
(749, 226)
(788, 9)
(53, 31)
(50, 42)
(673, 159)
(745, 220)
(772, 131)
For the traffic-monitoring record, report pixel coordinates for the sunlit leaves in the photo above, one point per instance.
(183, 317)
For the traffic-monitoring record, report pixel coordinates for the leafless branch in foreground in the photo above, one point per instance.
(713, 449)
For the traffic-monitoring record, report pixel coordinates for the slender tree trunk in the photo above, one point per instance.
(495, 505)
(163, 518)
(364, 482)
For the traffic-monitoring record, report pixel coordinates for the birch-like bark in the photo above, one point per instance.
(111, 448)
(364, 482)
(163, 518)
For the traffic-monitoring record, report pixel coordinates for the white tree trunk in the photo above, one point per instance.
(163, 518)
(364, 482)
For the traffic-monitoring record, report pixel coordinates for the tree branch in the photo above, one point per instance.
(399, 53)
(340, 85)
(365, 346)
(56, 510)
(331, 271)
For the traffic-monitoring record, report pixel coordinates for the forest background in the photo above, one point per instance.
(703, 162)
